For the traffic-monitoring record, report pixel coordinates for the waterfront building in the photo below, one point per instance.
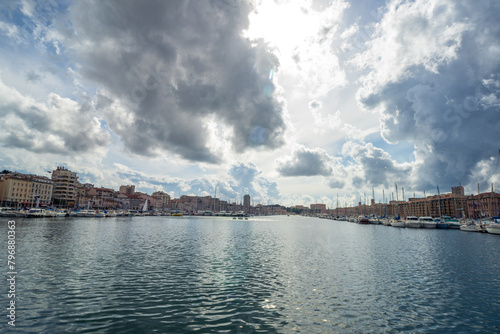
(101, 198)
(162, 200)
(18, 189)
(483, 205)
(65, 182)
(122, 200)
(135, 202)
(458, 190)
(273, 209)
(246, 203)
(318, 208)
(127, 190)
(197, 203)
(145, 198)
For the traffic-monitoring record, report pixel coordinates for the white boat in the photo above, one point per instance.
(471, 226)
(99, 214)
(413, 222)
(20, 213)
(145, 207)
(386, 222)
(111, 213)
(239, 214)
(35, 213)
(397, 223)
(50, 213)
(9, 213)
(427, 222)
(493, 228)
(85, 213)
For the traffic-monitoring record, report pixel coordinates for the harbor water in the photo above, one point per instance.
(263, 275)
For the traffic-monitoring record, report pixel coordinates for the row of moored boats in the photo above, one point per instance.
(54, 213)
(468, 225)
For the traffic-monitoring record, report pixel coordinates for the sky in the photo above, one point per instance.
(292, 102)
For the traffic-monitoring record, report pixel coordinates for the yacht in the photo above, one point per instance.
(412, 221)
(471, 226)
(427, 222)
(441, 223)
(50, 213)
(35, 213)
(60, 213)
(99, 214)
(397, 223)
(452, 223)
(110, 213)
(85, 213)
(9, 213)
(493, 228)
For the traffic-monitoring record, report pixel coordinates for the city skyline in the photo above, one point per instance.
(64, 190)
(291, 102)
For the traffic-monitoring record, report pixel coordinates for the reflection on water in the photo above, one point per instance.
(270, 274)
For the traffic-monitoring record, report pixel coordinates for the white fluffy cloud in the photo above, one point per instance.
(57, 126)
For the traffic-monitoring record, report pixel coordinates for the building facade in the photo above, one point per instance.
(483, 205)
(318, 208)
(25, 190)
(127, 190)
(162, 200)
(65, 186)
(246, 203)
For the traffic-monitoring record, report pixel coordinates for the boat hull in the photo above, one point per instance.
(398, 224)
(493, 229)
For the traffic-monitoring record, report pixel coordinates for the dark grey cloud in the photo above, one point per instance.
(169, 64)
(305, 162)
(447, 105)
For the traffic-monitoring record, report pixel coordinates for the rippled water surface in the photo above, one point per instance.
(264, 275)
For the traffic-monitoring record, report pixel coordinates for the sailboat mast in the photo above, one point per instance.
(426, 205)
(404, 206)
(439, 202)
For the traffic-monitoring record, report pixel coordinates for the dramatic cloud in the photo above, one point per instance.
(433, 75)
(377, 167)
(161, 67)
(57, 126)
(305, 162)
(194, 96)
